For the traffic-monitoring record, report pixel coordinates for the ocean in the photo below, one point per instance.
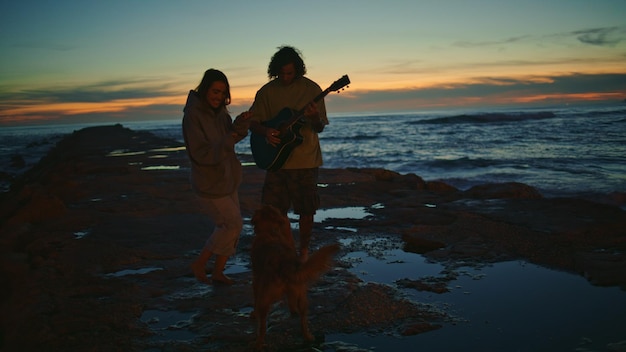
(569, 151)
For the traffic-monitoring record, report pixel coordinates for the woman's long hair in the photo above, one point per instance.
(212, 75)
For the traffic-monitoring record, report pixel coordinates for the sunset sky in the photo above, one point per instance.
(94, 61)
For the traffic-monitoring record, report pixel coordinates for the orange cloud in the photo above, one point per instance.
(43, 111)
(85, 108)
(569, 97)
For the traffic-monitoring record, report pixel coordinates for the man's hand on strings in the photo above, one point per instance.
(313, 115)
(272, 136)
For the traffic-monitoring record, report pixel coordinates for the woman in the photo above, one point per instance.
(210, 136)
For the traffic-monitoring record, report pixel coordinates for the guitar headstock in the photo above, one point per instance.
(339, 84)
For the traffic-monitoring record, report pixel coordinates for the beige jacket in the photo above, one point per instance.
(273, 97)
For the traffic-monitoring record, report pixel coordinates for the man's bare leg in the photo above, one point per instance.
(306, 228)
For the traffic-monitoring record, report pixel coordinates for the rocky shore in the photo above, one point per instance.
(97, 238)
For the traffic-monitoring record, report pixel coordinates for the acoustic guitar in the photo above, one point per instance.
(288, 122)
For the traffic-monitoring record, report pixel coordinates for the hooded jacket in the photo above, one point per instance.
(215, 170)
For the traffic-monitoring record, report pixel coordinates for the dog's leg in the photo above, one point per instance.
(261, 311)
(303, 310)
(292, 298)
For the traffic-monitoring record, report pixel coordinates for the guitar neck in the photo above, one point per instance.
(336, 86)
(315, 100)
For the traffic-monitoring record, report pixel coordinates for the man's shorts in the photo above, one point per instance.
(292, 187)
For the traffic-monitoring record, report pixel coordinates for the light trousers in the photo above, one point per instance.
(225, 213)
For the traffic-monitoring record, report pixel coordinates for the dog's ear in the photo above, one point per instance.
(264, 212)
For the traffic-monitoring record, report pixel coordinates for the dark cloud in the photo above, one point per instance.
(606, 36)
(585, 83)
(610, 36)
(488, 88)
(467, 44)
(570, 84)
(94, 93)
(404, 67)
(413, 67)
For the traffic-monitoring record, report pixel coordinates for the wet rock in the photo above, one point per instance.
(440, 187)
(381, 174)
(435, 285)
(503, 190)
(5, 177)
(40, 207)
(419, 328)
(17, 162)
(371, 306)
(418, 244)
(603, 267)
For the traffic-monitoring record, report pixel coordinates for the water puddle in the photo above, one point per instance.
(509, 306)
(396, 265)
(127, 272)
(159, 153)
(357, 213)
(160, 167)
(169, 325)
(237, 264)
(81, 234)
(125, 152)
(168, 149)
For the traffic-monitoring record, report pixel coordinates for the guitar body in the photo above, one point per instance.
(270, 157)
(288, 122)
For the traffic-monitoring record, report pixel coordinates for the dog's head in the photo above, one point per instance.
(269, 222)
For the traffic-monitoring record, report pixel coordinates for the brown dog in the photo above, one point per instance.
(277, 271)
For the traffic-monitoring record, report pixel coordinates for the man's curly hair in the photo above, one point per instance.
(284, 56)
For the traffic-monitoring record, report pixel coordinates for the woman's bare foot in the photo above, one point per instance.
(200, 272)
(220, 278)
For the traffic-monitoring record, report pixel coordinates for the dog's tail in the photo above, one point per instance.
(318, 263)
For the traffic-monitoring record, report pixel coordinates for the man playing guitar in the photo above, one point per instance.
(294, 183)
